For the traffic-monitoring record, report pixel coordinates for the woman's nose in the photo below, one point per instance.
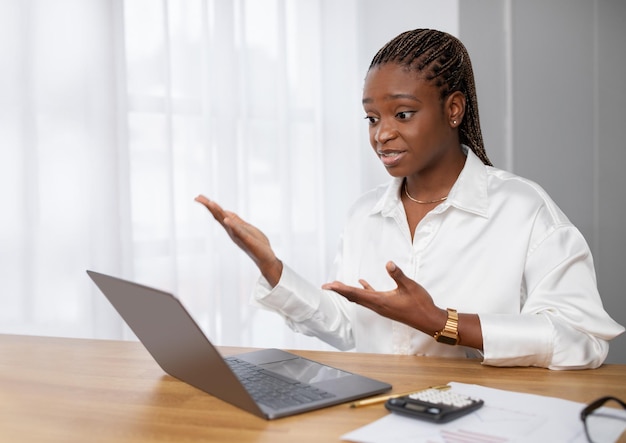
(384, 133)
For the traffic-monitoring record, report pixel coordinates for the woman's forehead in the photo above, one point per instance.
(391, 79)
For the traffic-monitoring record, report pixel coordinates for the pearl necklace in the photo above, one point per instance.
(406, 191)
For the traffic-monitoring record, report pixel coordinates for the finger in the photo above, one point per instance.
(366, 285)
(233, 219)
(202, 199)
(216, 210)
(338, 287)
(357, 295)
(236, 227)
(396, 273)
(330, 286)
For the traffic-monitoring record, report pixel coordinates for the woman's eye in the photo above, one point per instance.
(404, 114)
(371, 120)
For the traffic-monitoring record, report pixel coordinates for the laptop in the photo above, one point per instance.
(269, 383)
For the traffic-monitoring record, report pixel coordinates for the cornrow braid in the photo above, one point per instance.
(443, 59)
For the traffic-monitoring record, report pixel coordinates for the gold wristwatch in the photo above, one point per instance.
(450, 332)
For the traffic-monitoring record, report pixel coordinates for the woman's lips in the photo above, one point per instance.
(391, 158)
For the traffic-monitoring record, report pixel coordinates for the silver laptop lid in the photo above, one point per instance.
(162, 323)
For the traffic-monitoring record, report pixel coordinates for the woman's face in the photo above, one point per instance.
(410, 127)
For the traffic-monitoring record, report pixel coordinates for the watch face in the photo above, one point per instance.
(447, 340)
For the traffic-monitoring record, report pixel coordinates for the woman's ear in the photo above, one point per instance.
(455, 108)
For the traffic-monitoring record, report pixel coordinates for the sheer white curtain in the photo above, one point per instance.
(59, 157)
(116, 114)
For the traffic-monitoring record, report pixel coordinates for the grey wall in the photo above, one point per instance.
(610, 188)
(552, 89)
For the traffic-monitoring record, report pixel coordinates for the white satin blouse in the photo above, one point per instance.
(498, 247)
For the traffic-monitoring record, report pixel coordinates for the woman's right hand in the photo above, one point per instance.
(250, 239)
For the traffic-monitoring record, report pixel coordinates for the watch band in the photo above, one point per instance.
(450, 332)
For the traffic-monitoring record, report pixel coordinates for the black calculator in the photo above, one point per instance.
(434, 404)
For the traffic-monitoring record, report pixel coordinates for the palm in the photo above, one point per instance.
(249, 238)
(408, 303)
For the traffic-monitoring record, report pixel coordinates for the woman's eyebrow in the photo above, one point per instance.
(389, 97)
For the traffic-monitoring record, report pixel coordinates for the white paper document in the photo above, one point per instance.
(505, 417)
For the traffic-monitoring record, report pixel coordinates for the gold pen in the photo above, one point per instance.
(383, 398)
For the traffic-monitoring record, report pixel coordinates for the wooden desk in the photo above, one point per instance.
(73, 390)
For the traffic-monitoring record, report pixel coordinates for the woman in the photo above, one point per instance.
(453, 257)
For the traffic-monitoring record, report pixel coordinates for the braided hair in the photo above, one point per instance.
(442, 59)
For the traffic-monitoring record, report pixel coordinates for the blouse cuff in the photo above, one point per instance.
(284, 298)
(516, 340)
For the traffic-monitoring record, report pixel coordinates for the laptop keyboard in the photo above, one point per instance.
(272, 389)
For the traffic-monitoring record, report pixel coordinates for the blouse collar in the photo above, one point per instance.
(469, 192)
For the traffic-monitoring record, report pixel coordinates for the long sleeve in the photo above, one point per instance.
(307, 309)
(562, 323)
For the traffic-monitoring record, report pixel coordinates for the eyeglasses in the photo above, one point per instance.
(606, 424)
